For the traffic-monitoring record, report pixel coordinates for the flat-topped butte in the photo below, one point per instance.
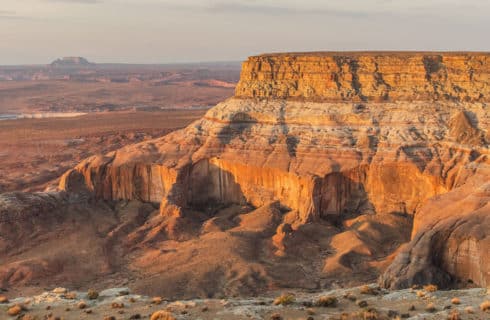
(367, 76)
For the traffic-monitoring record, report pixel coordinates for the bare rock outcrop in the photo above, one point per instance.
(319, 169)
(353, 147)
(450, 240)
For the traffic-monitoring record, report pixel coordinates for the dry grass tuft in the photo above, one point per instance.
(455, 300)
(117, 305)
(284, 299)
(4, 299)
(162, 315)
(485, 306)
(420, 294)
(430, 288)
(327, 302)
(82, 305)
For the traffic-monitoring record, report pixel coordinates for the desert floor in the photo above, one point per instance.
(34, 152)
(353, 303)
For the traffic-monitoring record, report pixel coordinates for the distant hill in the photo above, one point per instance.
(72, 62)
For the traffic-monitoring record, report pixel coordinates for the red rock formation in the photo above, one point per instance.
(367, 76)
(348, 146)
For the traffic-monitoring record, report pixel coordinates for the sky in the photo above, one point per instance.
(170, 31)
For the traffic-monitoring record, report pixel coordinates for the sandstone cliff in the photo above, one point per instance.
(367, 76)
(317, 171)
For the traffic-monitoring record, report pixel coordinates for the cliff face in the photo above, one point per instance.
(367, 77)
(365, 143)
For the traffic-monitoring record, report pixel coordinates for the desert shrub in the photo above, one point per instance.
(430, 307)
(327, 301)
(81, 305)
(117, 305)
(92, 294)
(455, 300)
(362, 303)
(310, 312)
(369, 290)
(161, 315)
(485, 306)
(454, 315)
(70, 295)
(350, 297)
(370, 314)
(4, 299)
(393, 314)
(469, 310)
(156, 300)
(14, 310)
(420, 294)
(307, 304)
(284, 299)
(276, 316)
(430, 288)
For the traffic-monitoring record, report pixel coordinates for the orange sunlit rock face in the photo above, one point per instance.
(367, 76)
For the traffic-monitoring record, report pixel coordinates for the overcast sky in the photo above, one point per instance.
(163, 31)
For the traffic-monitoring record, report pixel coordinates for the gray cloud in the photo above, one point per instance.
(7, 14)
(254, 7)
(76, 1)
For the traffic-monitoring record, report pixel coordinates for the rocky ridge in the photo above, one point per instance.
(316, 173)
(71, 62)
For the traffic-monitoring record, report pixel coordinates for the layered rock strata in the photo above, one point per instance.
(347, 139)
(367, 76)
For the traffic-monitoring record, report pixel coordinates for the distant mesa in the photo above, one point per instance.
(72, 62)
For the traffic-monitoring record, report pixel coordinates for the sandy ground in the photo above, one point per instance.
(351, 303)
(34, 152)
(70, 96)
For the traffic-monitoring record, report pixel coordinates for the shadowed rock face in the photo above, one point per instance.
(316, 172)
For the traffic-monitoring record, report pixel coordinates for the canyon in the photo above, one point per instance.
(324, 170)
